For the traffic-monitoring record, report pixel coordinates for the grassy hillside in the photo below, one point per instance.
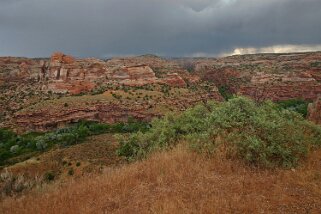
(182, 181)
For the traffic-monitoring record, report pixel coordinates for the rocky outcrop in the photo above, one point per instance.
(175, 80)
(66, 74)
(314, 111)
(266, 76)
(137, 75)
(44, 120)
(59, 57)
(226, 76)
(140, 75)
(19, 70)
(281, 91)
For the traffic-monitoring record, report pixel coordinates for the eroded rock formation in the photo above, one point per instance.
(44, 120)
(174, 79)
(137, 75)
(65, 74)
(26, 82)
(266, 76)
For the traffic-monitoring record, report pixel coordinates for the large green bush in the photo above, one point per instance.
(261, 134)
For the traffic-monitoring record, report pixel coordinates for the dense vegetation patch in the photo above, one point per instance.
(297, 105)
(13, 145)
(261, 134)
(225, 92)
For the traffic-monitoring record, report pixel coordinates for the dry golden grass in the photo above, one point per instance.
(181, 181)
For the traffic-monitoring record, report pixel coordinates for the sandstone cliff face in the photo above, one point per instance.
(314, 111)
(65, 74)
(161, 67)
(174, 80)
(45, 119)
(25, 82)
(134, 75)
(266, 76)
(14, 70)
(282, 91)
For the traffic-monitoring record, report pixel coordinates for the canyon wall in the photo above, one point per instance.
(266, 76)
(65, 74)
(164, 84)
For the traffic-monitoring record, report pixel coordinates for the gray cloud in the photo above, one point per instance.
(104, 28)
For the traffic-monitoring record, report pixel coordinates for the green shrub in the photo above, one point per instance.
(116, 96)
(225, 92)
(49, 176)
(6, 135)
(71, 172)
(99, 90)
(261, 134)
(14, 149)
(165, 89)
(8, 139)
(164, 133)
(297, 105)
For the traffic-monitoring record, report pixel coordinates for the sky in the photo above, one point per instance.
(172, 28)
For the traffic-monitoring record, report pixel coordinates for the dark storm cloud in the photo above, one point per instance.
(103, 28)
